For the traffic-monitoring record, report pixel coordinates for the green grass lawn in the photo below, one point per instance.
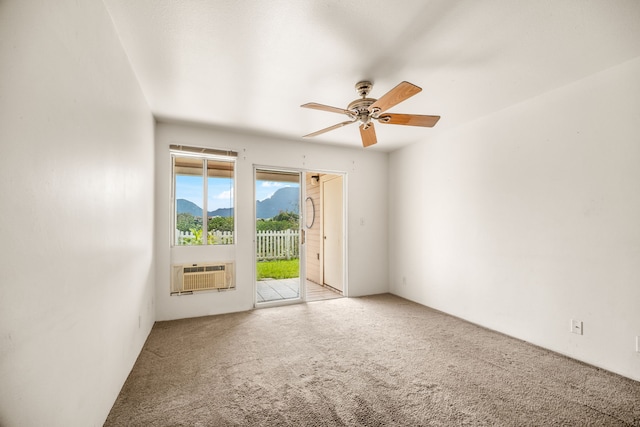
(279, 269)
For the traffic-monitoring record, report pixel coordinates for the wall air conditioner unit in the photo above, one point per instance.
(187, 278)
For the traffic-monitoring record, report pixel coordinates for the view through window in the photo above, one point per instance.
(203, 194)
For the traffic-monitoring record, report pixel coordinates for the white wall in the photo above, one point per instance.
(529, 218)
(367, 200)
(76, 214)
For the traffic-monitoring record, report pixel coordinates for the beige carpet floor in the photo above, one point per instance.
(373, 361)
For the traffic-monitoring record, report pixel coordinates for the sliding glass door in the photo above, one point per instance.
(279, 236)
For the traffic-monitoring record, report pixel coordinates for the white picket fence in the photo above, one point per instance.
(270, 245)
(186, 238)
(277, 244)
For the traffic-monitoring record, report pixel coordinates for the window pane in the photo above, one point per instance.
(189, 190)
(220, 202)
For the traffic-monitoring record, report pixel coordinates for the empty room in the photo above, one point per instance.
(323, 213)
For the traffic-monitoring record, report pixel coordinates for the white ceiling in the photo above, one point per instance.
(248, 65)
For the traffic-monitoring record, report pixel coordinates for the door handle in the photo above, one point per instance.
(303, 236)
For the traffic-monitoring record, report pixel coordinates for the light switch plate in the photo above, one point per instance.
(576, 327)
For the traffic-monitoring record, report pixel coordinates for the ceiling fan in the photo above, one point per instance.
(366, 110)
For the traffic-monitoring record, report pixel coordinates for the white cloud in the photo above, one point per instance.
(272, 184)
(225, 195)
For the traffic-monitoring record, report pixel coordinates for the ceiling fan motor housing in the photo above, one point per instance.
(361, 108)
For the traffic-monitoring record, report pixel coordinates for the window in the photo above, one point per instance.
(203, 196)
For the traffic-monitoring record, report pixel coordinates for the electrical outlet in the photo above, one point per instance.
(576, 326)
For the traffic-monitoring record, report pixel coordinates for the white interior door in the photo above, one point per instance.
(333, 232)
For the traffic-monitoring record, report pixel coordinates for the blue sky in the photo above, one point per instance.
(221, 190)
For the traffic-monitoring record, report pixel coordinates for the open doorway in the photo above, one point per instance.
(325, 236)
(300, 238)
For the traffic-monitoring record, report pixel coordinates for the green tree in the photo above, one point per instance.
(282, 221)
(287, 216)
(185, 222)
(220, 223)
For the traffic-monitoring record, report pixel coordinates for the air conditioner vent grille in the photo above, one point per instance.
(202, 277)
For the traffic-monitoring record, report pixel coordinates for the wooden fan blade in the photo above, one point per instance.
(368, 135)
(409, 120)
(321, 107)
(395, 96)
(339, 125)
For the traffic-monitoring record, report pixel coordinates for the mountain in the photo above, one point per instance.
(221, 212)
(186, 206)
(285, 199)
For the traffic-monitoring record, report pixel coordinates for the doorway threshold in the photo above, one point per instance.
(271, 290)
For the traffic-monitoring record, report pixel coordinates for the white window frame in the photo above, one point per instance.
(204, 154)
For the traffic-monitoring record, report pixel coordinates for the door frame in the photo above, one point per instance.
(345, 228)
(303, 250)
